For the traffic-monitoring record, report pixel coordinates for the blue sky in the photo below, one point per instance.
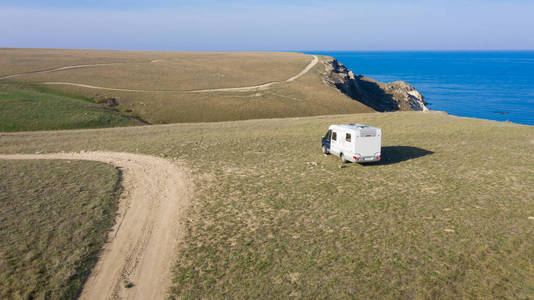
(207, 25)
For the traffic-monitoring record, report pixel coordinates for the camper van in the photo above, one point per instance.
(353, 142)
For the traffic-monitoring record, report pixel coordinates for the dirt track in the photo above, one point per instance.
(141, 247)
(56, 70)
(305, 70)
(263, 86)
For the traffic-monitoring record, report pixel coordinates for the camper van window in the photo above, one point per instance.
(334, 136)
(347, 137)
(328, 134)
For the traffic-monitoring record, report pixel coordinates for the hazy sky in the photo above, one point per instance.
(209, 25)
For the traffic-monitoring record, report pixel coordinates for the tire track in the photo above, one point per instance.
(142, 245)
(251, 88)
(56, 70)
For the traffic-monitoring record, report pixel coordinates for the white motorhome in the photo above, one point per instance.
(353, 142)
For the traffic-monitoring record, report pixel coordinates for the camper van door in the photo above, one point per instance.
(334, 142)
(347, 140)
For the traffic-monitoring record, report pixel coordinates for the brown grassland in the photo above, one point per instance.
(169, 76)
(182, 71)
(54, 216)
(448, 213)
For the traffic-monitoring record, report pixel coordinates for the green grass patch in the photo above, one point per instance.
(26, 108)
(54, 218)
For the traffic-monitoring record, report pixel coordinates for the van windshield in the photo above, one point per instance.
(328, 134)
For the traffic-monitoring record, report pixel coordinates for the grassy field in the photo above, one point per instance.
(448, 213)
(156, 70)
(25, 108)
(54, 216)
(186, 71)
(173, 74)
(23, 60)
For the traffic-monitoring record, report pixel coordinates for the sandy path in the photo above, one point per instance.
(141, 247)
(314, 61)
(99, 87)
(263, 86)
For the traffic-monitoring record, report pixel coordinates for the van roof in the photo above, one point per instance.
(353, 126)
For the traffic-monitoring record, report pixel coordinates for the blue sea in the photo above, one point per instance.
(490, 85)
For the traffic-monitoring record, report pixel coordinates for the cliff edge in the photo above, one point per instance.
(382, 97)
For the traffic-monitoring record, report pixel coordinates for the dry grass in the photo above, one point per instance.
(447, 214)
(307, 96)
(180, 72)
(186, 71)
(54, 216)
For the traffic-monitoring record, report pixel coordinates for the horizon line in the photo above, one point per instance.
(279, 50)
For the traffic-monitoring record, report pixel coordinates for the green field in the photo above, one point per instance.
(448, 213)
(54, 216)
(27, 108)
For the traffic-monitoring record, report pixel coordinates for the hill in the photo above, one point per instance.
(178, 87)
(448, 213)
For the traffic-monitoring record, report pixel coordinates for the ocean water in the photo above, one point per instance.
(490, 85)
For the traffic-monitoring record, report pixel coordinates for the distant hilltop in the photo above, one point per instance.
(382, 97)
(105, 88)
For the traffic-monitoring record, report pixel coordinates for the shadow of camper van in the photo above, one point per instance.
(397, 154)
(363, 144)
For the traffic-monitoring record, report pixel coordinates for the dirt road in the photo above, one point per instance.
(314, 61)
(141, 247)
(263, 86)
(56, 70)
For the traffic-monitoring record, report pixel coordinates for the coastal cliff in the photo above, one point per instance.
(382, 97)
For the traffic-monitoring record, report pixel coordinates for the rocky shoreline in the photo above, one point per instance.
(382, 97)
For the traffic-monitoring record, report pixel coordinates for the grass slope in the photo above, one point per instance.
(54, 218)
(447, 214)
(24, 109)
(181, 72)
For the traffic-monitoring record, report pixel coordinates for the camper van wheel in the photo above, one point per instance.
(342, 157)
(325, 151)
